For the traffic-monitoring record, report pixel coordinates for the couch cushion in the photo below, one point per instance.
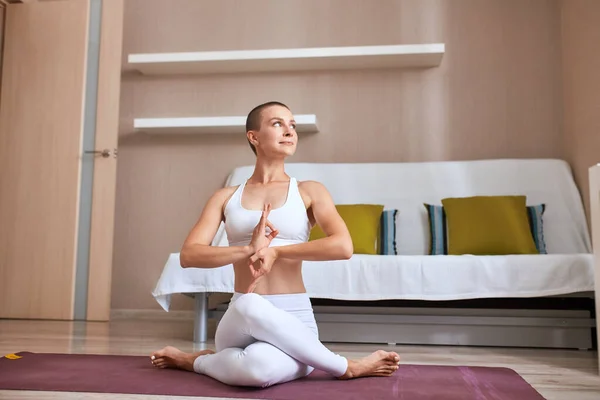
(488, 225)
(363, 222)
(387, 236)
(438, 228)
(536, 223)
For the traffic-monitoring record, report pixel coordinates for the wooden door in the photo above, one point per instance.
(105, 169)
(59, 100)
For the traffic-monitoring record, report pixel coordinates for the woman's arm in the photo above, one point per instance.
(197, 250)
(337, 245)
(197, 255)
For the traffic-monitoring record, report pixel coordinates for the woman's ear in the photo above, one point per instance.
(251, 135)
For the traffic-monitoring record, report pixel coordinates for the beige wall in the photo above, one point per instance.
(580, 21)
(497, 94)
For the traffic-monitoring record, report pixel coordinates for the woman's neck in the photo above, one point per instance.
(266, 171)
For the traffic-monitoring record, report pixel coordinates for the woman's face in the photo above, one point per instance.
(277, 136)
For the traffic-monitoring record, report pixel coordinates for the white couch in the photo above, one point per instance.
(374, 289)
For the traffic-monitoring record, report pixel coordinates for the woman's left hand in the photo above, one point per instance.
(260, 264)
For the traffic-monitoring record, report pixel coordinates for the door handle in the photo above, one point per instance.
(104, 153)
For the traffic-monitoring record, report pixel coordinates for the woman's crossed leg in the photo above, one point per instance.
(261, 345)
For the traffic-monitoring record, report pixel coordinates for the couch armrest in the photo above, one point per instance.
(594, 177)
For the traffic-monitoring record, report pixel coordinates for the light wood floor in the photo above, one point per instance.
(556, 374)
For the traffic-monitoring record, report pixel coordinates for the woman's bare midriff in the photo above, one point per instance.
(285, 277)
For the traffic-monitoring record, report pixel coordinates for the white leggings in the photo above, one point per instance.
(265, 340)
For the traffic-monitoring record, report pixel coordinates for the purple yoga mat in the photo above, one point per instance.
(135, 374)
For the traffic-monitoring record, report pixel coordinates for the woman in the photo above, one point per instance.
(268, 335)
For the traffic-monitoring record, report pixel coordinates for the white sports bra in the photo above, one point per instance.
(290, 219)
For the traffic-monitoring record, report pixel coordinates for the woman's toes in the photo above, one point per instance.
(387, 370)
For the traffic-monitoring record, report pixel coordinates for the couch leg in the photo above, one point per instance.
(201, 317)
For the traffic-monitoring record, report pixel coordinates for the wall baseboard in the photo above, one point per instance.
(156, 315)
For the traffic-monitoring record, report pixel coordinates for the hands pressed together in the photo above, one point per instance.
(263, 256)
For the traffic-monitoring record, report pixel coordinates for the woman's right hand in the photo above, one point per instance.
(260, 239)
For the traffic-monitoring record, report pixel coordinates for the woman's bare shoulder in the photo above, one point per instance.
(311, 186)
(224, 194)
(312, 191)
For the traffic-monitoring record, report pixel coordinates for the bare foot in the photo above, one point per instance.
(379, 363)
(170, 357)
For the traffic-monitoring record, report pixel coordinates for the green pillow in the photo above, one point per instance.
(488, 225)
(362, 221)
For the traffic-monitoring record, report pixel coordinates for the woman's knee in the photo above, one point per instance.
(268, 374)
(252, 307)
(247, 301)
(259, 371)
(261, 378)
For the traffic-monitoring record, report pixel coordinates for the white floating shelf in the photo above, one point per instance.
(220, 125)
(304, 59)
